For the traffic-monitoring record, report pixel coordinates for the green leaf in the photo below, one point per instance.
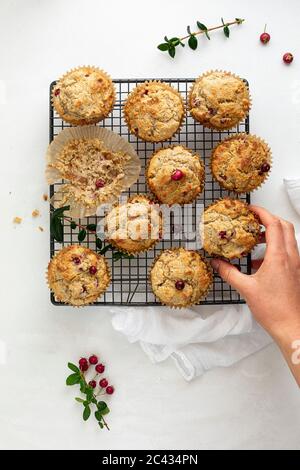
(207, 35)
(98, 415)
(201, 26)
(117, 255)
(60, 211)
(89, 393)
(163, 46)
(81, 235)
(98, 243)
(73, 225)
(101, 405)
(82, 386)
(239, 20)
(172, 51)
(80, 400)
(193, 42)
(86, 413)
(175, 41)
(57, 229)
(101, 425)
(106, 248)
(188, 30)
(166, 39)
(106, 411)
(222, 21)
(91, 227)
(73, 379)
(226, 31)
(73, 367)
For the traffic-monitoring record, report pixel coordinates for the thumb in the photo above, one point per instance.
(230, 274)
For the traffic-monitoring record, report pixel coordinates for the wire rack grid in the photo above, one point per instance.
(130, 284)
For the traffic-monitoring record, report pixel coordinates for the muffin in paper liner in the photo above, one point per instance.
(84, 95)
(133, 217)
(77, 275)
(237, 225)
(92, 184)
(220, 112)
(182, 184)
(153, 120)
(197, 280)
(241, 168)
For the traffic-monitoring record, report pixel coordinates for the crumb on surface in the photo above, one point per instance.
(41, 229)
(35, 213)
(17, 220)
(45, 197)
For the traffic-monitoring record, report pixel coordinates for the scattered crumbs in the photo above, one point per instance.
(45, 197)
(35, 213)
(17, 220)
(41, 229)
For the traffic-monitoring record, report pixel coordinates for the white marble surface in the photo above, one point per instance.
(254, 404)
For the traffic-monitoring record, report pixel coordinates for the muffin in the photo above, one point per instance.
(77, 275)
(154, 111)
(219, 100)
(180, 277)
(241, 163)
(134, 226)
(175, 175)
(84, 95)
(229, 228)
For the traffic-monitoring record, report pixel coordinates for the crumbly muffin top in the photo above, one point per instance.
(180, 277)
(94, 172)
(134, 226)
(84, 96)
(241, 163)
(175, 175)
(219, 100)
(78, 275)
(154, 111)
(230, 228)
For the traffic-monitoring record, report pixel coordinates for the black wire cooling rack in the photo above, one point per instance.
(130, 284)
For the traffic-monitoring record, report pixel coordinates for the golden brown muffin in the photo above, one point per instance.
(94, 173)
(85, 95)
(175, 175)
(180, 277)
(154, 111)
(219, 100)
(229, 228)
(134, 226)
(77, 275)
(241, 163)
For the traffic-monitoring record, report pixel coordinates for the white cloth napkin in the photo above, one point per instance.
(198, 341)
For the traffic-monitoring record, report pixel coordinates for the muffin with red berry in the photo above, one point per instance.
(229, 229)
(85, 95)
(241, 163)
(175, 175)
(180, 277)
(77, 275)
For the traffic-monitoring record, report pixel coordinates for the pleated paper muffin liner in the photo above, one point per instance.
(114, 243)
(205, 74)
(204, 293)
(113, 143)
(89, 302)
(269, 160)
(245, 252)
(141, 87)
(83, 121)
(191, 199)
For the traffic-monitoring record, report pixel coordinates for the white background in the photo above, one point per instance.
(254, 404)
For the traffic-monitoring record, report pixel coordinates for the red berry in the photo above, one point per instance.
(92, 383)
(103, 383)
(288, 58)
(100, 368)
(265, 38)
(110, 390)
(76, 260)
(83, 364)
(177, 175)
(57, 92)
(93, 270)
(99, 184)
(223, 234)
(264, 168)
(179, 285)
(93, 359)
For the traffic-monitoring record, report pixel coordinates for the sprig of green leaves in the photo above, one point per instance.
(90, 399)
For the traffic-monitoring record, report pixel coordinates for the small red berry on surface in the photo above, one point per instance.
(264, 168)
(99, 184)
(177, 175)
(223, 234)
(93, 271)
(92, 383)
(83, 364)
(103, 383)
(110, 390)
(76, 260)
(100, 368)
(93, 359)
(179, 285)
(265, 38)
(288, 58)
(57, 92)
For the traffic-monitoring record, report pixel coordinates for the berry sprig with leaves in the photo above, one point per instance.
(57, 232)
(170, 44)
(89, 389)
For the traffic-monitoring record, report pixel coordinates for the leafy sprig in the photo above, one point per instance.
(57, 232)
(90, 399)
(170, 44)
